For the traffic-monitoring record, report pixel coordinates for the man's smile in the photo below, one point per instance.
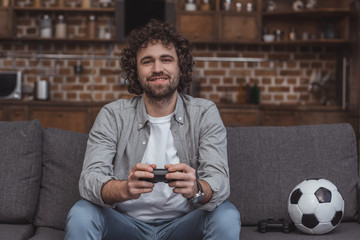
(158, 79)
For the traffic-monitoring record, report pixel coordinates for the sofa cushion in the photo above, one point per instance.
(20, 170)
(62, 163)
(45, 233)
(266, 163)
(16, 231)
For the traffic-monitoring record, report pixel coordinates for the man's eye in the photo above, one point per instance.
(146, 62)
(167, 60)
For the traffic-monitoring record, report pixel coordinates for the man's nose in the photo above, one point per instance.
(158, 66)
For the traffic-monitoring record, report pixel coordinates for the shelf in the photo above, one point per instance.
(64, 9)
(39, 39)
(196, 13)
(312, 14)
(309, 42)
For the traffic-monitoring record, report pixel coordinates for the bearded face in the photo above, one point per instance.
(158, 71)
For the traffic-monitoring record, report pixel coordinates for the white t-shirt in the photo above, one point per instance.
(161, 203)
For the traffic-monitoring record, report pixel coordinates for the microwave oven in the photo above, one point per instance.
(10, 85)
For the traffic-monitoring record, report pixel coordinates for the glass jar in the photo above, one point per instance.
(61, 3)
(5, 3)
(205, 5)
(190, 5)
(37, 3)
(238, 5)
(250, 6)
(105, 3)
(45, 26)
(86, 4)
(60, 28)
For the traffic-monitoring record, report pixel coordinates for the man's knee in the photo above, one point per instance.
(83, 217)
(83, 211)
(227, 214)
(225, 221)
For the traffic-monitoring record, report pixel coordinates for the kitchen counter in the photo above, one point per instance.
(79, 116)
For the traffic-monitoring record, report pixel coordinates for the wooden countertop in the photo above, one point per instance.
(233, 106)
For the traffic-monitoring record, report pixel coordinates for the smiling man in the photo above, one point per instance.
(160, 130)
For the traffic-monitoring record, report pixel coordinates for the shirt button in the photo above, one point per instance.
(144, 142)
(140, 125)
(180, 118)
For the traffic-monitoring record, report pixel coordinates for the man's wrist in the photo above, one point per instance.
(199, 194)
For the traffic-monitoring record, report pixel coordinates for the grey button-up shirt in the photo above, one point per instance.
(119, 136)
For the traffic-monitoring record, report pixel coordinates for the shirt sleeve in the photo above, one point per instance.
(213, 163)
(98, 163)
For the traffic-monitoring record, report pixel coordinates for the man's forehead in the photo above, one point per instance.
(159, 46)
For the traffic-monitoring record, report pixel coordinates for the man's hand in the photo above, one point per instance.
(185, 177)
(132, 188)
(135, 187)
(185, 181)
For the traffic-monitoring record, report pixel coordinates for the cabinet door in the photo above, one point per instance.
(5, 23)
(74, 120)
(323, 117)
(279, 118)
(198, 28)
(234, 118)
(236, 28)
(17, 114)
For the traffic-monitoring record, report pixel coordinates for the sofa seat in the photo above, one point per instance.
(349, 230)
(46, 233)
(16, 231)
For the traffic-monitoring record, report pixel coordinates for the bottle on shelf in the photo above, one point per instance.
(241, 94)
(60, 27)
(226, 5)
(238, 5)
(250, 6)
(92, 26)
(292, 34)
(45, 26)
(105, 3)
(247, 93)
(255, 94)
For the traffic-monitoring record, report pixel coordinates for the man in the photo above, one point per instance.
(160, 128)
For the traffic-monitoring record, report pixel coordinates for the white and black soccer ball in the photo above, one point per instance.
(316, 206)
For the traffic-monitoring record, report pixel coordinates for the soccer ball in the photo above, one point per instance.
(316, 206)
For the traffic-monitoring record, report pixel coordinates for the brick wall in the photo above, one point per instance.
(283, 79)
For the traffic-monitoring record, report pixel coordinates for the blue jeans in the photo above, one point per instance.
(89, 221)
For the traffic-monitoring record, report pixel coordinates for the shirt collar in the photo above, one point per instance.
(142, 117)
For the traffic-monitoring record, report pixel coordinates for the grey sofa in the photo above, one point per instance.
(40, 168)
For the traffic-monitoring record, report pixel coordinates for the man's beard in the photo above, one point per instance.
(161, 93)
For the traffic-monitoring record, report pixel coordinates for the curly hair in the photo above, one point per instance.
(156, 31)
